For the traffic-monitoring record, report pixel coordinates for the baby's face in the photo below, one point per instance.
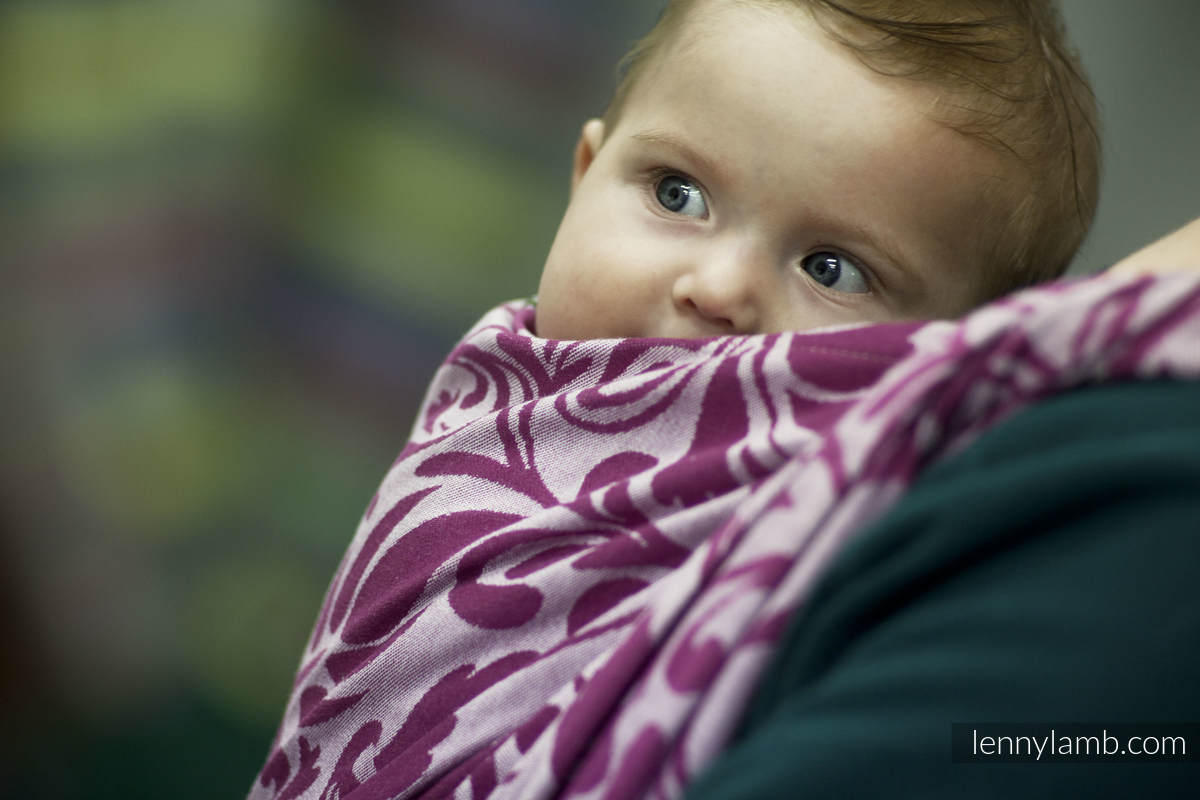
(761, 179)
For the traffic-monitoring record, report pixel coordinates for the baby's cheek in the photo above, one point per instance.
(544, 318)
(553, 320)
(548, 293)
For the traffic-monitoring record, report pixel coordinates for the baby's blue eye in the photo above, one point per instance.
(835, 271)
(680, 196)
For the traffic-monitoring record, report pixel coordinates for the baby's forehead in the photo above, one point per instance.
(707, 24)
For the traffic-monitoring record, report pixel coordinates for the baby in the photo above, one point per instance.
(779, 166)
(573, 574)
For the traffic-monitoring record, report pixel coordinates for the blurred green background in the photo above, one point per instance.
(238, 237)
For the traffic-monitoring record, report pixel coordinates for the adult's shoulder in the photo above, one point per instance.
(1047, 573)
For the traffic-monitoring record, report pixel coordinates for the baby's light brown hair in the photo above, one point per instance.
(1004, 75)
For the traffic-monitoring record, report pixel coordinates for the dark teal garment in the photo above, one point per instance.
(1048, 573)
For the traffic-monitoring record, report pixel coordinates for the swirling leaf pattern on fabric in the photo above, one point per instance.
(572, 575)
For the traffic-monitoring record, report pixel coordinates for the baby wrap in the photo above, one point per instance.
(572, 575)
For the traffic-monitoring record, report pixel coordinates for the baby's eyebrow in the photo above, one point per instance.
(674, 142)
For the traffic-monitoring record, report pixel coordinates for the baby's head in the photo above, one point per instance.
(771, 165)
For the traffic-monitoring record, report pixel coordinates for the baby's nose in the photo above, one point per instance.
(723, 291)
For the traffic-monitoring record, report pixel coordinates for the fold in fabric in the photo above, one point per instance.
(572, 576)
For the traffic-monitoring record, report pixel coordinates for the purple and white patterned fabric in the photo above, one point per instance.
(572, 575)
